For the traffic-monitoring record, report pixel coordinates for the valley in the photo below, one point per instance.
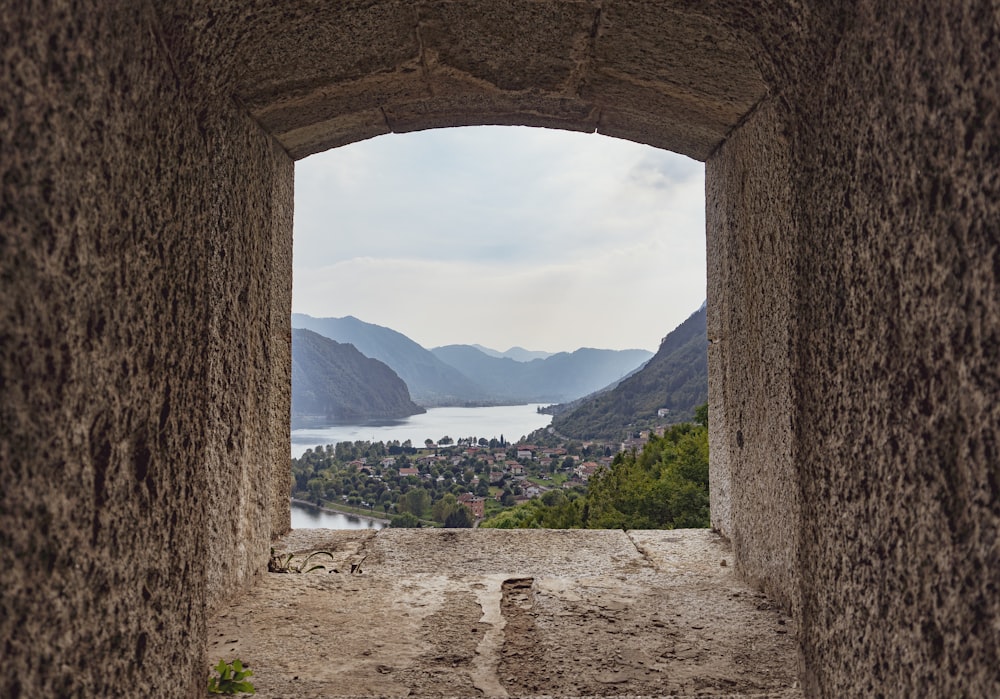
(592, 393)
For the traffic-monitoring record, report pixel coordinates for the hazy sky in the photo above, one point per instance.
(502, 236)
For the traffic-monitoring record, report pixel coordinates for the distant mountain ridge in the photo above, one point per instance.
(559, 377)
(676, 378)
(431, 382)
(465, 375)
(518, 354)
(334, 382)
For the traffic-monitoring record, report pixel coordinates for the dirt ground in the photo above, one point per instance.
(519, 613)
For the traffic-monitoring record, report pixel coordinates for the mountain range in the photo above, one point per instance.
(431, 382)
(518, 354)
(344, 369)
(676, 378)
(559, 377)
(467, 375)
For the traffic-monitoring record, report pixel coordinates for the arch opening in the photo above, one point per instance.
(504, 238)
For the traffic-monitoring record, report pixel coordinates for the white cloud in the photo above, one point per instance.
(502, 236)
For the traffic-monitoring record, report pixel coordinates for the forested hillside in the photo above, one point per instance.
(676, 378)
(664, 486)
(334, 382)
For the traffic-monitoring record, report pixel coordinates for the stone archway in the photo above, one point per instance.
(668, 77)
(681, 78)
(147, 166)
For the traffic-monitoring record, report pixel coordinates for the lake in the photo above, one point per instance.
(511, 421)
(309, 517)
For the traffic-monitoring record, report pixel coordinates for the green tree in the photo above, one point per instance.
(459, 518)
(701, 415)
(523, 516)
(405, 520)
(553, 498)
(664, 486)
(317, 487)
(415, 501)
(444, 507)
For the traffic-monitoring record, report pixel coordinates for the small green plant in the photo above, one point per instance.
(231, 679)
(283, 564)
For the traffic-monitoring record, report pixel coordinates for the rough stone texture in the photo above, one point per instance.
(248, 353)
(510, 613)
(104, 308)
(145, 240)
(750, 240)
(278, 348)
(675, 79)
(139, 373)
(897, 353)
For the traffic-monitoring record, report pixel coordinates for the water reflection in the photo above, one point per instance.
(308, 517)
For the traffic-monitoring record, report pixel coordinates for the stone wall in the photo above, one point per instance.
(896, 366)
(143, 354)
(755, 494)
(247, 464)
(881, 422)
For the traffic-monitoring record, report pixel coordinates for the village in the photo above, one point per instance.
(421, 486)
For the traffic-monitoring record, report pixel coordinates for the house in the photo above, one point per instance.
(475, 503)
(524, 453)
(587, 469)
(409, 472)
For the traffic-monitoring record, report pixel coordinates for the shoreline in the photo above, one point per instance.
(334, 510)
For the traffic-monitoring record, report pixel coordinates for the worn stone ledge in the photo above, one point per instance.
(509, 613)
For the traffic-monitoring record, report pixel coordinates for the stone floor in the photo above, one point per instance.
(521, 613)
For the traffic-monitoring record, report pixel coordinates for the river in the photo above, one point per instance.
(511, 421)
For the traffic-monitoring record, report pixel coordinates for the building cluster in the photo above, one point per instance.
(485, 478)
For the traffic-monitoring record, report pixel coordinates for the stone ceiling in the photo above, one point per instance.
(319, 75)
